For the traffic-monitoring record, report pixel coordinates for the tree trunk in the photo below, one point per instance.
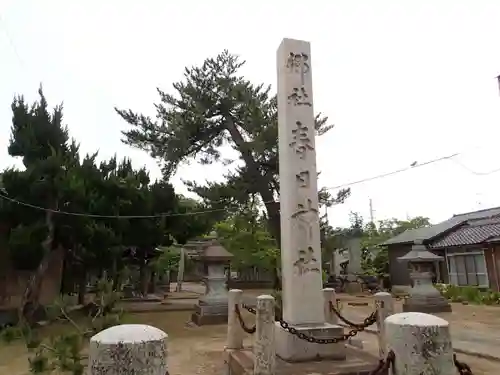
(115, 275)
(117, 281)
(180, 270)
(82, 286)
(30, 301)
(143, 278)
(152, 282)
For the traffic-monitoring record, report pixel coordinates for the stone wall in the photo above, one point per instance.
(13, 283)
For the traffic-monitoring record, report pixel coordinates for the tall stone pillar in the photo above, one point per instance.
(354, 246)
(300, 235)
(354, 266)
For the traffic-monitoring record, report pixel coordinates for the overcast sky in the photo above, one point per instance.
(403, 81)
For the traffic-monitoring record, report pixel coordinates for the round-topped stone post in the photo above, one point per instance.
(423, 296)
(212, 307)
(302, 295)
(421, 344)
(129, 349)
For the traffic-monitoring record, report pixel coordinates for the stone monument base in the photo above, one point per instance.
(240, 362)
(209, 313)
(292, 349)
(353, 288)
(429, 305)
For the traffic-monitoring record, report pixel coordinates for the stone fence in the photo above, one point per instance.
(409, 343)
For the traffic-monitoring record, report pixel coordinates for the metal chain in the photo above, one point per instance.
(368, 321)
(250, 330)
(315, 340)
(251, 310)
(384, 364)
(462, 367)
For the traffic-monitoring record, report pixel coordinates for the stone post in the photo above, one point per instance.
(128, 349)
(300, 241)
(329, 297)
(264, 349)
(338, 259)
(300, 235)
(354, 246)
(234, 331)
(421, 344)
(384, 304)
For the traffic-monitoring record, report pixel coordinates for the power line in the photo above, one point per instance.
(81, 214)
(368, 179)
(380, 176)
(475, 172)
(397, 171)
(11, 41)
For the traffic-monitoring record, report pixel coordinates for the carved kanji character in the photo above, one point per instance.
(301, 142)
(299, 96)
(298, 63)
(303, 179)
(306, 216)
(307, 262)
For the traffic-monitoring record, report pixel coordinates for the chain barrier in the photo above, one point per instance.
(251, 310)
(248, 330)
(315, 340)
(368, 321)
(384, 364)
(346, 336)
(462, 367)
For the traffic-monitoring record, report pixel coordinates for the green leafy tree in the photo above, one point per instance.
(211, 110)
(105, 199)
(40, 139)
(168, 260)
(376, 258)
(246, 236)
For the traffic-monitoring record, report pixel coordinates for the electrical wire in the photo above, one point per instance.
(397, 171)
(201, 212)
(364, 180)
(475, 172)
(11, 42)
(81, 214)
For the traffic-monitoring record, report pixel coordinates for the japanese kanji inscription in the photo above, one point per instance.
(304, 209)
(306, 261)
(299, 96)
(301, 142)
(306, 216)
(303, 179)
(298, 63)
(300, 235)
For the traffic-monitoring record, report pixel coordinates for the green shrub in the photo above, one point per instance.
(62, 354)
(469, 294)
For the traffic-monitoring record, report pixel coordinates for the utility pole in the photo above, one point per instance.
(372, 220)
(479, 202)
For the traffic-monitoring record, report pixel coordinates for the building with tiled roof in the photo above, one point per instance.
(469, 244)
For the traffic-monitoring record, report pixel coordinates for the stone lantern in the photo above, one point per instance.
(212, 307)
(423, 296)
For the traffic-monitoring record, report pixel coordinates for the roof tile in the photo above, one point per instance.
(428, 233)
(471, 233)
